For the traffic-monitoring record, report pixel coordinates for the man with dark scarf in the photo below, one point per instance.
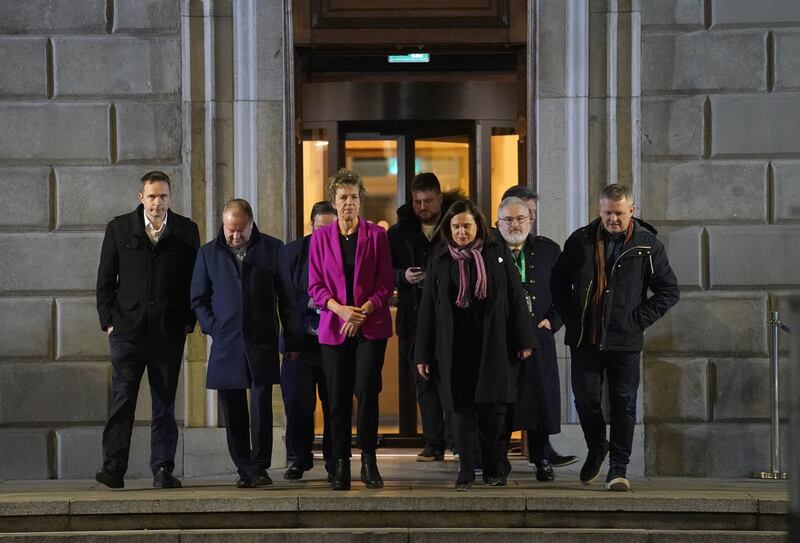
(600, 287)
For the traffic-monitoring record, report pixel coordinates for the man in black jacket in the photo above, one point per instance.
(600, 287)
(143, 303)
(410, 241)
(302, 379)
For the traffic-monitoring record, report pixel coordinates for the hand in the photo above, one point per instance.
(544, 324)
(424, 370)
(291, 355)
(109, 330)
(350, 329)
(524, 353)
(414, 277)
(352, 315)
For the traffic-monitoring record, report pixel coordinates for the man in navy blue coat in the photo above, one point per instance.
(240, 285)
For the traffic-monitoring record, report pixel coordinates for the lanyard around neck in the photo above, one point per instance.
(519, 263)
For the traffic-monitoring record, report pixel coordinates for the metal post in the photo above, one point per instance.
(775, 438)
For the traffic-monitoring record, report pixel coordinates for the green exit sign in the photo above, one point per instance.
(412, 58)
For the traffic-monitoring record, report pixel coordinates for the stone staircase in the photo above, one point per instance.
(659, 511)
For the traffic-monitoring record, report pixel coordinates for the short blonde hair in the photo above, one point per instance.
(342, 178)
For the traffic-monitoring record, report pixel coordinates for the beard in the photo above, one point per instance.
(514, 238)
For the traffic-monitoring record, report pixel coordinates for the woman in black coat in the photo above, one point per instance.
(473, 329)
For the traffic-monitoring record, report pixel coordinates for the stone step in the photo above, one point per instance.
(402, 535)
(217, 507)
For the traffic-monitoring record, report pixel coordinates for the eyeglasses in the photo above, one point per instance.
(511, 220)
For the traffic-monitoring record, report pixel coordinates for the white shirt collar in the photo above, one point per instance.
(149, 226)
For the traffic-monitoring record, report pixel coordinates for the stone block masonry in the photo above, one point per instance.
(90, 99)
(721, 181)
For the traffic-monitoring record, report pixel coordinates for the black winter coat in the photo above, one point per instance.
(409, 248)
(627, 310)
(142, 289)
(506, 327)
(538, 405)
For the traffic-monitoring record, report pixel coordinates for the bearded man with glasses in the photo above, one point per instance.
(538, 405)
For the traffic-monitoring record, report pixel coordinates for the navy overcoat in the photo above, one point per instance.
(240, 310)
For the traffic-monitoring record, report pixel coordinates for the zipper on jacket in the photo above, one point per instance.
(583, 312)
(613, 269)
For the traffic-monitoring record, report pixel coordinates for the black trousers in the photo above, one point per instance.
(430, 407)
(249, 434)
(538, 444)
(128, 360)
(300, 380)
(353, 367)
(589, 367)
(479, 426)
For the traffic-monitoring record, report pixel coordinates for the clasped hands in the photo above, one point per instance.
(353, 316)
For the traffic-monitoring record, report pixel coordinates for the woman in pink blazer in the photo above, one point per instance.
(350, 280)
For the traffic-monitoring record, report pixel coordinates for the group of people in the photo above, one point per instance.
(477, 310)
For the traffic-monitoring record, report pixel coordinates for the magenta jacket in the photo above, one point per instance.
(373, 279)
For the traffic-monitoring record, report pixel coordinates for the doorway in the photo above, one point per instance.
(463, 125)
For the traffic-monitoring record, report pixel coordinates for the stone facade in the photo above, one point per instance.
(694, 103)
(720, 178)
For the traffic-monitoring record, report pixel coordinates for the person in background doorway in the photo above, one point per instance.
(410, 241)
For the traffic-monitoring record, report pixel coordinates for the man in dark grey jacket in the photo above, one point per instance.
(600, 288)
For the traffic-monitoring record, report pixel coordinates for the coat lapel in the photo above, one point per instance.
(338, 260)
(362, 240)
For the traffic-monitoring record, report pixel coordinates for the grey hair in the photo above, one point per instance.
(616, 192)
(511, 200)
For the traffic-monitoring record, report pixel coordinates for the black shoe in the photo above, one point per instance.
(370, 475)
(260, 478)
(341, 478)
(294, 473)
(243, 481)
(544, 471)
(557, 460)
(492, 480)
(164, 479)
(594, 461)
(430, 454)
(464, 480)
(331, 472)
(109, 478)
(616, 480)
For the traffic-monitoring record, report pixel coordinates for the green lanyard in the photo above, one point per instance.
(519, 263)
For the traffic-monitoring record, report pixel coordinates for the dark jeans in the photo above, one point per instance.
(129, 360)
(249, 434)
(589, 367)
(479, 426)
(353, 367)
(430, 407)
(300, 381)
